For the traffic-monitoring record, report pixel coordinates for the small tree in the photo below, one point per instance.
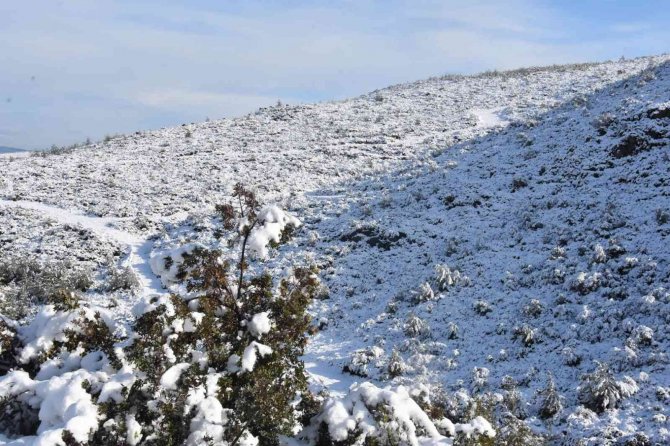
(550, 400)
(396, 366)
(600, 391)
(251, 334)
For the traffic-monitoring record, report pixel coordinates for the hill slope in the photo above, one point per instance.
(480, 232)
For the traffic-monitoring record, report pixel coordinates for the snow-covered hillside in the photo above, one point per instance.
(477, 235)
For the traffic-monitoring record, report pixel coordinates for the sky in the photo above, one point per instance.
(77, 69)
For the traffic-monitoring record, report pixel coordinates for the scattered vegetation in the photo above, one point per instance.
(30, 282)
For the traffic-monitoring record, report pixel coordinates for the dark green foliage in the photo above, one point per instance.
(17, 418)
(90, 335)
(228, 297)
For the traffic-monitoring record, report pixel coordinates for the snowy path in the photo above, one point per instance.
(139, 249)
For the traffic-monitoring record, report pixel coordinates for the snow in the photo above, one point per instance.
(250, 355)
(210, 421)
(171, 376)
(139, 249)
(63, 405)
(113, 389)
(271, 222)
(100, 225)
(354, 414)
(490, 118)
(49, 326)
(66, 405)
(260, 324)
(134, 431)
(168, 275)
(478, 426)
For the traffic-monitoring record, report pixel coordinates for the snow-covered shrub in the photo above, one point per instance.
(482, 307)
(599, 254)
(392, 307)
(558, 253)
(636, 439)
(513, 403)
(642, 335)
(123, 278)
(556, 276)
(396, 366)
(358, 364)
(571, 357)
(500, 412)
(627, 265)
(663, 393)
(424, 293)
(7, 337)
(452, 330)
(600, 390)
(371, 415)
(518, 183)
(614, 250)
(480, 378)
(241, 332)
(451, 247)
(662, 216)
(416, 327)
(550, 401)
(386, 201)
(510, 281)
(445, 277)
(52, 360)
(34, 282)
(511, 431)
(167, 264)
(533, 308)
(586, 283)
(526, 334)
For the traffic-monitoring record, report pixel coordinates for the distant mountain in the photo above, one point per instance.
(4, 149)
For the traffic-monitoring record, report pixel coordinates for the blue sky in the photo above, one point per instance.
(77, 69)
